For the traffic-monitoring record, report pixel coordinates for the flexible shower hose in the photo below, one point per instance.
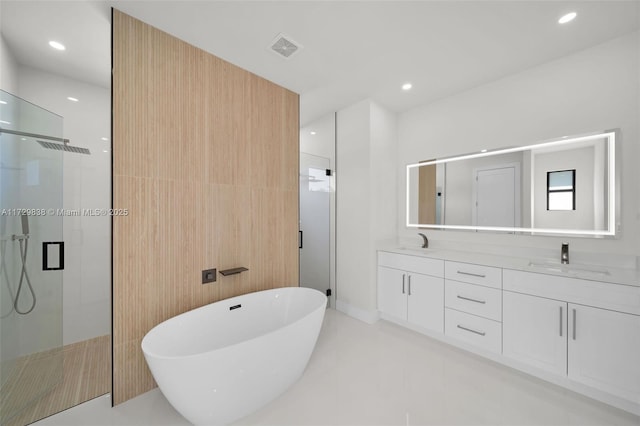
(5, 276)
(23, 275)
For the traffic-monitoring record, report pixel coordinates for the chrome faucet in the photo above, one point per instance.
(425, 242)
(564, 253)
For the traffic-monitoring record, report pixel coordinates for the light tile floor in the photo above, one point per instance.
(384, 374)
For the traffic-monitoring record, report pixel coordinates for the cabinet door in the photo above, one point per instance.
(534, 331)
(426, 301)
(392, 289)
(604, 350)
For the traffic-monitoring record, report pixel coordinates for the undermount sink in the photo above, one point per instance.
(568, 268)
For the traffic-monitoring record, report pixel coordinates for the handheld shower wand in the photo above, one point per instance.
(25, 224)
(23, 240)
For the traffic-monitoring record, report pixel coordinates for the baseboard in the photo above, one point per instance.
(370, 317)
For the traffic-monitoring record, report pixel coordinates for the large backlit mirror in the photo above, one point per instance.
(560, 187)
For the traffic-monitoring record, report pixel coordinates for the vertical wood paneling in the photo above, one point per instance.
(206, 162)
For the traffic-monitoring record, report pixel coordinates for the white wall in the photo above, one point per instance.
(322, 143)
(382, 175)
(366, 199)
(86, 185)
(8, 69)
(593, 90)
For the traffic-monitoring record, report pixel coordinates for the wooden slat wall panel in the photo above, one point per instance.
(206, 162)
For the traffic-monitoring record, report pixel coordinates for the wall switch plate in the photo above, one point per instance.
(208, 276)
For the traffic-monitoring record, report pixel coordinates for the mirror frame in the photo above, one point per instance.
(613, 208)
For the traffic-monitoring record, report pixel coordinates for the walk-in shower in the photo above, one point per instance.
(31, 192)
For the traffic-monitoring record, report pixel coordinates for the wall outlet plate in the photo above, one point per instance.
(208, 276)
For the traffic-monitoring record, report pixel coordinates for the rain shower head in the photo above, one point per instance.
(64, 147)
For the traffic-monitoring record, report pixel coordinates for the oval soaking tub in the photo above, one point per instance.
(224, 360)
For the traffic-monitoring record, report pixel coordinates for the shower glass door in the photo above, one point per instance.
(31, 362)
(314, 238)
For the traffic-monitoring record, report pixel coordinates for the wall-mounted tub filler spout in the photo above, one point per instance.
(564, 253)
(425, 242)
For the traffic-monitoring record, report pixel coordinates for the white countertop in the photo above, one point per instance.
(606, 274)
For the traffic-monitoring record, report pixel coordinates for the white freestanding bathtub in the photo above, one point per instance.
(224, 360)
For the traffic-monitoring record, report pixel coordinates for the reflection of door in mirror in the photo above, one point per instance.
(427, 194)
(496, 196)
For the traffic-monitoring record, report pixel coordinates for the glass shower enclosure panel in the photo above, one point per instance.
(31, 253)
(314, 234)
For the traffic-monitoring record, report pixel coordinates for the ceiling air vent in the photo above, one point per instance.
(284, 46)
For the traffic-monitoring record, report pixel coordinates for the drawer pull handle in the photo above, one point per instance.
(471, 300)
(472, 274)
(403, 277)
(481, 333)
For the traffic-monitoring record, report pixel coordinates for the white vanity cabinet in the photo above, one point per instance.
(580, 333)
(411, 289)
(591, 345)
(392, 292)
(534, 331)
(604, 350)
(473, 304)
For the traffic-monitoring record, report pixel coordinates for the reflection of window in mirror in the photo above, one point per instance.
(561, 190)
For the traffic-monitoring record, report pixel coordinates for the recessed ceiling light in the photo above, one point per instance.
(312, 132)
(483, 150)
(72, 99)
(104, 150)
(4, 122)
(104, 139)
(567, 18)
(407, 86)
(3, 102)
(57, 45)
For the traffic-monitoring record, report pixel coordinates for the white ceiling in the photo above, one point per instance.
(352, 49)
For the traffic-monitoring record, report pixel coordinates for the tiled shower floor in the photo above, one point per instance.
(85, 374)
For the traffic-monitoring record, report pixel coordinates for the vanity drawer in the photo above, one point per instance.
(474, 330)
(474, 299)
(617, 297)
(474, 274)
(419, 264)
